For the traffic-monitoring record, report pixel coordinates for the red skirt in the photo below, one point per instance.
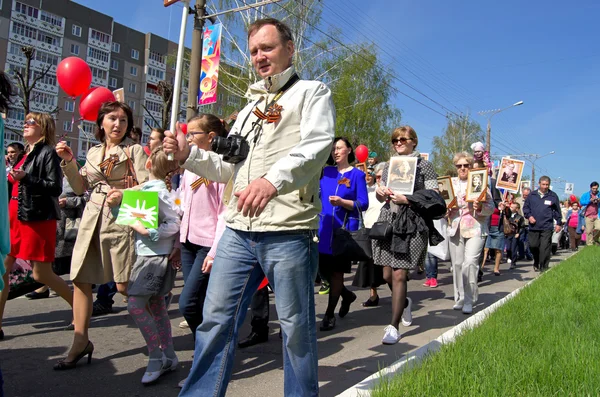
(31, 241)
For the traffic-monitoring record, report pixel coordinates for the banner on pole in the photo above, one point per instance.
(569, 188)
(211, 54)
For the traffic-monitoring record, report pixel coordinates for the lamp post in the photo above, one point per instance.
(536, 157)
(489, 114)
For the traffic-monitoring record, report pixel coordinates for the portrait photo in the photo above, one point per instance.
(401, 176)
(119, 95)
(525, 184)
(446, 190)
(509, 176)
(477, 184)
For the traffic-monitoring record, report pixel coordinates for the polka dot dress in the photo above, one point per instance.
(426, 178)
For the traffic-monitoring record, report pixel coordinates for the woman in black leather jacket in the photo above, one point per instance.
(33, 209)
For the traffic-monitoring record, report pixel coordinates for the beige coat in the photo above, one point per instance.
(104, 251)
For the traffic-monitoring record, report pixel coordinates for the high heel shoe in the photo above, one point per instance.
(371, 302)
(63, 364)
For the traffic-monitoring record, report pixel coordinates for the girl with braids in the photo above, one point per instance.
(203, 222)
(153, 274)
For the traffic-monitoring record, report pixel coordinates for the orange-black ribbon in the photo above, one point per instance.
(273, 114)
(344, 181)
(108, 164)
(198, 182)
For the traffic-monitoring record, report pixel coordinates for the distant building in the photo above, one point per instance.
(120, 57)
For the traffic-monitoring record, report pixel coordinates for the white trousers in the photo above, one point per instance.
(464, 254)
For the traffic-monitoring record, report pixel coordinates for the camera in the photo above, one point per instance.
(234, 148)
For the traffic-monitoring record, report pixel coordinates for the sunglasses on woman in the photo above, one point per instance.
(30, 122)
(462, 165)
(402, 140)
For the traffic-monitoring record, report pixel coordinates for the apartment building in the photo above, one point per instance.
(119, 57)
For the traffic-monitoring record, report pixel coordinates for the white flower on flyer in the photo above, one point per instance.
(139, 212)
(177, 201)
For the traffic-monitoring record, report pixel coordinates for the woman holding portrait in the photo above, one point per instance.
(36, 184)
(467, 232)
(104, 251)
(396, 264)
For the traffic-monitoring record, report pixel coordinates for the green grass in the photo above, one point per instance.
(544, 342)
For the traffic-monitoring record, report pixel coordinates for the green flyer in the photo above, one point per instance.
(139, 205)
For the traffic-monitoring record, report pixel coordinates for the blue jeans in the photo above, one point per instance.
(431, 266)
(289, 260)
(106, 292)
(192, 296)
(524, 251)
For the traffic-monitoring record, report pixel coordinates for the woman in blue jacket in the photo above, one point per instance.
(343, 195)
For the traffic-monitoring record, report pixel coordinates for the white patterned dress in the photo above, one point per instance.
(426, 178)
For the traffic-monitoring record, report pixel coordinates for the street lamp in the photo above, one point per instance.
(489, 114)
(536, 157)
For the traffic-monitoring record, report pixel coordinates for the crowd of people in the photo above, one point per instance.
(273, 205)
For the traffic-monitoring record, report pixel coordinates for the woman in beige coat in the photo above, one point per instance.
(104, 251)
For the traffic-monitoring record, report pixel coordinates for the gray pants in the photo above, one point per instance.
(465, 253)
(540, 244)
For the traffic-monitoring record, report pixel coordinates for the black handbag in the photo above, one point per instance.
(381, 230)
(356, 245)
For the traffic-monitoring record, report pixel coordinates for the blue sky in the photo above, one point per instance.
(470, 56)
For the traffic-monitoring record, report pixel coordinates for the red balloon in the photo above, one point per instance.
(74, 76)
(573, 199)
(362, 153)
(183, 128)
(92, 100)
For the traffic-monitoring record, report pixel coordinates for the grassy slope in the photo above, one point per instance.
(544, 342)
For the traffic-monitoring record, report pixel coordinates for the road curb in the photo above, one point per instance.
(363, 388)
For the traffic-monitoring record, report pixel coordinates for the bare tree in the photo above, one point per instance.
(25, 83)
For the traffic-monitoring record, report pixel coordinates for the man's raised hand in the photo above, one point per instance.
(176, 144)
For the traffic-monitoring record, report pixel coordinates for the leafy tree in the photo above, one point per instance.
(460, 133)
(362, 93)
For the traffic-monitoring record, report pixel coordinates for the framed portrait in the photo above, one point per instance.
(509, 175)
(119, 95)
(362, 167)
(477, 184)
(447, 190)
(525, 184)
(401, 174)
(425, 156)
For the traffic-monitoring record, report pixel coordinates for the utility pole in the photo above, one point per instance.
(195, 60)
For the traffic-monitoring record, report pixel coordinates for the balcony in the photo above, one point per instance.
(15, 60)
(41, 108)
(49, 48)
(14, 124)
(152, 97)
(99, 82)
(152, 79)
(146, 129)
(24, 19)
(50, 28)
(97, 63)
(41, 66)
(99, 44)
(156, 64)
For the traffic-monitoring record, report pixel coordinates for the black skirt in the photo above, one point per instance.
(368, 275)
(329, 264)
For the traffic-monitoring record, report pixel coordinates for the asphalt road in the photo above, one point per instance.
(35, 339)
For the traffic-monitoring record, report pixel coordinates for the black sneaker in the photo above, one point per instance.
(98, 309)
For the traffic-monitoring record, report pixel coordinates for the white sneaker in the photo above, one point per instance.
(391, 336)
(407, 314)
(508, 260)
(184, 324)
(458, 305)
(467, 308)
(181, 383)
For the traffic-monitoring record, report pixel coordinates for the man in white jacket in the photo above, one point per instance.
(272, 216)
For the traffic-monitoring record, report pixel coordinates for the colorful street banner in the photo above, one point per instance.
(211, 54)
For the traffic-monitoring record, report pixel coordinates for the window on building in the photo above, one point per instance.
(67, 126)
(150, 121)
(49, 38)
(99, 73)
(13, 69)
(46, 57)
(133, 70)
(51, 18)
(114, 64)
(131, 104)
(154, 106)
(75, 49)
(132, 87)
(97, 35)
(76, 30)
(16, 114)
(69, 106)
(156, 57)
(15, 49)
(24, 30)
(26, 10)
(159, 74)
(116, 47)
(151, 90)
(98, 54)
(43, 98)
(135, 54)
(112, 83)
(48, 78)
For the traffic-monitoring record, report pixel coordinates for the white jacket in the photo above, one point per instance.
(289, 153)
